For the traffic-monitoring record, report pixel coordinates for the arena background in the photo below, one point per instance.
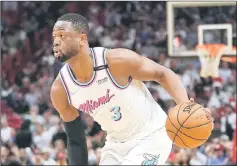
(31, 131)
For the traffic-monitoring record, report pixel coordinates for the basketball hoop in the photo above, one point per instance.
(210, 56)
(232, 59)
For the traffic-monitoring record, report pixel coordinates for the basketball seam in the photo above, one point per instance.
(179, 138)
(178, 114)
(184, 120)
(199, 139)
(196, 126)
(178, 122)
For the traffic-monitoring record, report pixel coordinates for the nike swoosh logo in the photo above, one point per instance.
(73, 93)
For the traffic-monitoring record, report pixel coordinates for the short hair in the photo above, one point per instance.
(79, 22)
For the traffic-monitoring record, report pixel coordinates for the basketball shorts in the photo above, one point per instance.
(153, 149)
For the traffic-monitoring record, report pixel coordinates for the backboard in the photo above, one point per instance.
(204, 24)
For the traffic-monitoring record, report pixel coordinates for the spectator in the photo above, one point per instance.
(18, 102)
(218, 97)
(59, 146)
(24, 158)
(33, 115)
(197, 158)
(156, 97)
(91, 152)
(98, 155)
(47, 158)
(60, 134)
(225, 72)
(5, 153)
(33, 95)
(42, 137)
(217, 156)
(61, 159)
(24, 136)
(7, 133)
(228, 121)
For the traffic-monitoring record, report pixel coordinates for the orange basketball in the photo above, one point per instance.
(189, 125)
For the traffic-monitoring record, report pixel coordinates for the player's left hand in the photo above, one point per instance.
(191, 100)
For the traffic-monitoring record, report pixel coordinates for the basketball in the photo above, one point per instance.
(189, 125)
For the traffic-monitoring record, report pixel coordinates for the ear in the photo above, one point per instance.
(83, 39)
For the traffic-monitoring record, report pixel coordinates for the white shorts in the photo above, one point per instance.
(153, 149)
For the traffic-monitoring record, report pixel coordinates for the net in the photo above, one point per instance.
(210, 56)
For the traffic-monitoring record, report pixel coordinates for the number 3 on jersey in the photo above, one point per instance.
(116, 114)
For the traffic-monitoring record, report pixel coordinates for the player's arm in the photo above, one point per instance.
(144, 69)
(76, 142)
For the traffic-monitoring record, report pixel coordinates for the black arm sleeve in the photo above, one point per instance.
(76, 142)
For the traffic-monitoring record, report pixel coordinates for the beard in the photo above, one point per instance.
(63, 58)
(69, 55)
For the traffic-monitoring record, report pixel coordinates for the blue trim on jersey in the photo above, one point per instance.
(65, 87)
(110, 75)
(93, 76)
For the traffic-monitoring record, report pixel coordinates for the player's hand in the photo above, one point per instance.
(191, 100)
(208, 110)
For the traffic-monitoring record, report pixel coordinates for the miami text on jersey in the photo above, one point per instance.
(91, 105)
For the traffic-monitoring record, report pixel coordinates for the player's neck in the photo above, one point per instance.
(82, 64)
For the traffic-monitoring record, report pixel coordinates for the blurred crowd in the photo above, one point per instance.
(188, 19)
(31, 130)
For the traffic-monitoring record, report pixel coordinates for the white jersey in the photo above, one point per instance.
(124, 112)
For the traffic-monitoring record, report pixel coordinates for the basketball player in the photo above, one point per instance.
(107, 84)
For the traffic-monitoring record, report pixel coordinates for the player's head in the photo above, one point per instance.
(69, 35)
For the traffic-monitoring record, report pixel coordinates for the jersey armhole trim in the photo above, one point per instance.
(110, 75)
(65, 87)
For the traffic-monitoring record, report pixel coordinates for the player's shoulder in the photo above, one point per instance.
(118, 51)
(56, 84)
(119, 54)
(114, 52)
(56, 87)
(58, 95)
